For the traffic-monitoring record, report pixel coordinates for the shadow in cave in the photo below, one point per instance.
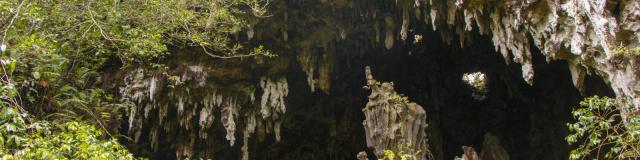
(529, 120)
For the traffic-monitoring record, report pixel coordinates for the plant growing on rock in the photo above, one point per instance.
(404, 152)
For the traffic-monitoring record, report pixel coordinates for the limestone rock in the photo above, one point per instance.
(585, 28)
(362, 156)
(188, 112)
(468, 154)
(391, 121)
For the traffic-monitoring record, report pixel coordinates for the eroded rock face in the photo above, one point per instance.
(185, 103)
(582, 32)
(392, 122)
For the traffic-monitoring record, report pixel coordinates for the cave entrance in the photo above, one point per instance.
(529, 121)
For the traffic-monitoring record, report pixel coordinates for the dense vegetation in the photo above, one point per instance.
(20, 139)
(51, 54)
(601, 132)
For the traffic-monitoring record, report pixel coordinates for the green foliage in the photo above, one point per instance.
(477, 80)
(135, 30)
(52, 53)
(401, 152)
(417, 39)
(43, 140)
(624, 51)
(398, 99)
(599, 131)
(393, 98)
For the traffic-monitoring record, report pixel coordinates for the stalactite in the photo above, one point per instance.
(272, 108)
(405, 27)
(311, 62)
(250, 128)
(153, 87)
(196, 105)
(227, 117)
(325, 71)
(154, 137)
(272, 104)
(388, 40)
(308, 64)
(136, 85)
(577, 75)
(390, 26)
(196, 73)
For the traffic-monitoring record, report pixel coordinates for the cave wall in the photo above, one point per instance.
(584, 33)
(528, 120)
(307, 102)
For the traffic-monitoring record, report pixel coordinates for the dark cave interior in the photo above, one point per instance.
(529, 120)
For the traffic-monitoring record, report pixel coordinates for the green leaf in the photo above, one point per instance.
(12, 66)
(36, 75)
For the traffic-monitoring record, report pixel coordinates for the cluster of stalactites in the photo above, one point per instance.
(269, 117)
(505, 28)
(272, 104)
(579, 31)
(321, 65)
(196, 101)
(390, 26)
(390, 122)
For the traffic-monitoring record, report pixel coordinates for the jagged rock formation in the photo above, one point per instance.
(468, 154)
(185, 104)
(583, 32)
(391, 121)
(580, 32)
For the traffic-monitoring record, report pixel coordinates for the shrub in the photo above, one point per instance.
(599, 131)
(43, 140)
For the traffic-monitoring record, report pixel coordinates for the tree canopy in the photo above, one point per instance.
(51, 53)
